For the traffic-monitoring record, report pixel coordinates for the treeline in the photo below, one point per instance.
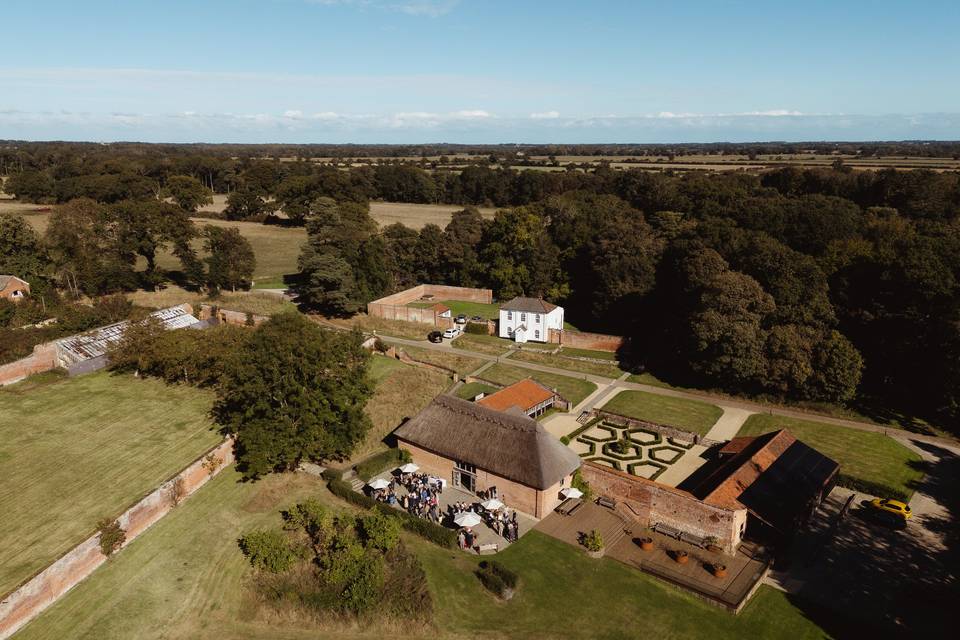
(760, 286)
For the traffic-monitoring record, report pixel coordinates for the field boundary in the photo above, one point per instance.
(32, 596)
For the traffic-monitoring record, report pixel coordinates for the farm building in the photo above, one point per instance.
(525, 397)
(13, 288)
(442, 310)
(529, 319)
(477, 448)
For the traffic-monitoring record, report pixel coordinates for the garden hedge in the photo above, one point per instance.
(381, 462)
(873, 488)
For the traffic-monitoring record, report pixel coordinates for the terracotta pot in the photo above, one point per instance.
(720, 570)
(646, 544)
(682, 557)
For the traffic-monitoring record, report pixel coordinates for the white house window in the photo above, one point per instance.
(509, 315)
(536, 334)
(538, 318)
(523, 317)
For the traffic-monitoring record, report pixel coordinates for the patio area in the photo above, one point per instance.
(483, 533)
(744, 569)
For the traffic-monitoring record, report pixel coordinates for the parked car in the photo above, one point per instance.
(435, 336)
(461, 319)
(452, 333)
(899, 510)
(477, 319)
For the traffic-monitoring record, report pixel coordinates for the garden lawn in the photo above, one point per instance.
(470, 390)
(588, 353)
(863, 455)
(470, 309)
(572, 389)
(76, 450)
(689, 415)
(185, 578)
(559, 362)
(490, 345)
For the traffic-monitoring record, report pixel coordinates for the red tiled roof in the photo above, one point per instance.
(440, 308)
(524, 395)
(736, 445)
(748, 466)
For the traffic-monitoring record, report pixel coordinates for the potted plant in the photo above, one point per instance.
(646, 543)
(719, 570)
(593, 541)
(681, 556)
(711, 543)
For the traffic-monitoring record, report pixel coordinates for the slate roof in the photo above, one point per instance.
(510, 445)
(528, 305)
(524, 395)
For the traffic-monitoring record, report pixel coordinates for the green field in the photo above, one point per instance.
(689, 415)
(381, 366)
(80, 449)
(185, 579)
(471, 390)
(862, 455)
(559, 362)
(572, 389)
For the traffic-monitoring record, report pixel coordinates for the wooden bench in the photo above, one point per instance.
(492, 546)
(575, 508)
(604, 501)
(564, 506)
(689, 538)
(666, 530)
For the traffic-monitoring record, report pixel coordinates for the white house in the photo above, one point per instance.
(529, 319)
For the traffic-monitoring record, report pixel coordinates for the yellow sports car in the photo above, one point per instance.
(895, 507)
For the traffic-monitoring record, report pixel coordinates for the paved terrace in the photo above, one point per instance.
(485, 535)
(622, 544)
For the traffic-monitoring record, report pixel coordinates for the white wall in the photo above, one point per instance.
(537, 325)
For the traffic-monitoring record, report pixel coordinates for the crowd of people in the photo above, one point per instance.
(421, 497)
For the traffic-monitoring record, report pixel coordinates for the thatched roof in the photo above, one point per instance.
(528, 305)
(509, 445)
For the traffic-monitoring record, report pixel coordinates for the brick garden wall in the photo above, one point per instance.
(32, 597)
(227, 316)
(665, 430)
(583, 340)
(394, 307)
(43, 358)
(649, 502)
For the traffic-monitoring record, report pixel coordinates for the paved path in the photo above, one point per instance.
(724, 401)
(728, 425)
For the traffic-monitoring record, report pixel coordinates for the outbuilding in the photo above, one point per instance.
(13, 288)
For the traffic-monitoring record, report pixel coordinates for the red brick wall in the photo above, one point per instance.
(515, 495)
(394, 307)
(43, 358)
(648, 503)
(31, 598)
(582, 340)
(230, 317)
(14, 285)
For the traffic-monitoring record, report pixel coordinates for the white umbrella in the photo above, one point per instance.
(492, 504)
(379, 483)
(467, 519)
(409, 468)
(571, 492)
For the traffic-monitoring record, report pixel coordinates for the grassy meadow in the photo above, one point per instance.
(862, 455)
(75, 450)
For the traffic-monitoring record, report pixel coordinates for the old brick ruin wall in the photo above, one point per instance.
(584, 340)
(649, 503)
(394, 307)
(43, 358)
(32, 597)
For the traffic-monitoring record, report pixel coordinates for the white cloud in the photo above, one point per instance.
(474, 113)
(545, 115)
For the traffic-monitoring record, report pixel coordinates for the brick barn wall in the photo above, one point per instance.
(43, 358)
(582, 340)
(515, 495)
(648, 503)
(32, 597)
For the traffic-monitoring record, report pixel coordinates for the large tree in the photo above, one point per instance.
(188, 192)
(294, 392)
(21, 251)
(230, 260)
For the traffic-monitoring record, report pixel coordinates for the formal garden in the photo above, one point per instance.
(636, 450)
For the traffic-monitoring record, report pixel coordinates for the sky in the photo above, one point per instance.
(479, 71)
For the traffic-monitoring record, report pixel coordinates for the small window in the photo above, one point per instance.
(509, 315)
(523, 317)
(536, 334)
(538, 318)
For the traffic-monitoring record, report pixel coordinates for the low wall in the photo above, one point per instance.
(403, 356)
(394, 306)
(227, 316)
(649, 502)
(668, 431)
(43, 358)
(582, 340)
(28, 600)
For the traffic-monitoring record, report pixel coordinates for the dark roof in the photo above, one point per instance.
(774, 476)
(509, 445)
(528, 305)
(524, 394)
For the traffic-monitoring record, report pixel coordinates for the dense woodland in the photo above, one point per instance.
(804, 284)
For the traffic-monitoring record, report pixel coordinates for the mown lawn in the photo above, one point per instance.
(470, 390)
(588, 353)
(470, 309)
(862, 455)
(572, 389)
(689, 415)
(559, 362)
(490, 345)
(80, 449)
(459, 363)
(185, 578)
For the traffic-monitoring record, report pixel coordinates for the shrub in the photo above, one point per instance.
(497, 578)
(380, 462)
(177, 491)
(330, 473)
(593, 541)
(579, 483)
(268, 549)
(380, 531)
(564, 440)
(112, 536)
(478, 328)
(873, 488)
